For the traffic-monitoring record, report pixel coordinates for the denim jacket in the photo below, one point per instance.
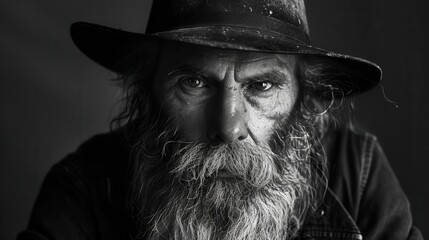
(84, 196)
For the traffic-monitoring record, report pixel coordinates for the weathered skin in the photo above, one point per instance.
(224, 96)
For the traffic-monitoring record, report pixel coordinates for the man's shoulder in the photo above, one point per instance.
(349, 145)
(349, 133)
(348, 141)
(102, 154)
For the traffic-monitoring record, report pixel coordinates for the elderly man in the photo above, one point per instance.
(227, 132)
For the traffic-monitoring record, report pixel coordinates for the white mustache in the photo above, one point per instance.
(254, 165)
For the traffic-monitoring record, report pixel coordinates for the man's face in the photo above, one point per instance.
(218, 96)
(232, 147)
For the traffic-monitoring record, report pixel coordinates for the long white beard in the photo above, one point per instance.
(264, 196)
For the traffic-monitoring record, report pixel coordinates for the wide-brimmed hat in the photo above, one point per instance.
(270, 26)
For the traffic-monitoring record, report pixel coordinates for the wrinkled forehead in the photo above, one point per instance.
(174, 54)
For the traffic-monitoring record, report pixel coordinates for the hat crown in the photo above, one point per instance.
(260, 14)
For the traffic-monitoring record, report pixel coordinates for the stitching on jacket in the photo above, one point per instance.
(366, 160)
(337, 235)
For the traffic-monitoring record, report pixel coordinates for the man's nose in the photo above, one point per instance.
(229, 118)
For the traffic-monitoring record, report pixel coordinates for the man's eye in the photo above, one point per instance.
(261, 86)
(193, 82)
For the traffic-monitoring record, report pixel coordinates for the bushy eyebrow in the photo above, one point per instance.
(186, 69)
(274, 75)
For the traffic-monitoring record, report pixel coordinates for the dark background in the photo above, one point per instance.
(52, 97)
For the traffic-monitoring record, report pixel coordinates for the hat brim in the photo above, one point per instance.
(108, 46)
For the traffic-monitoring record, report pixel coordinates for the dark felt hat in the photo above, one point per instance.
(271, 26)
